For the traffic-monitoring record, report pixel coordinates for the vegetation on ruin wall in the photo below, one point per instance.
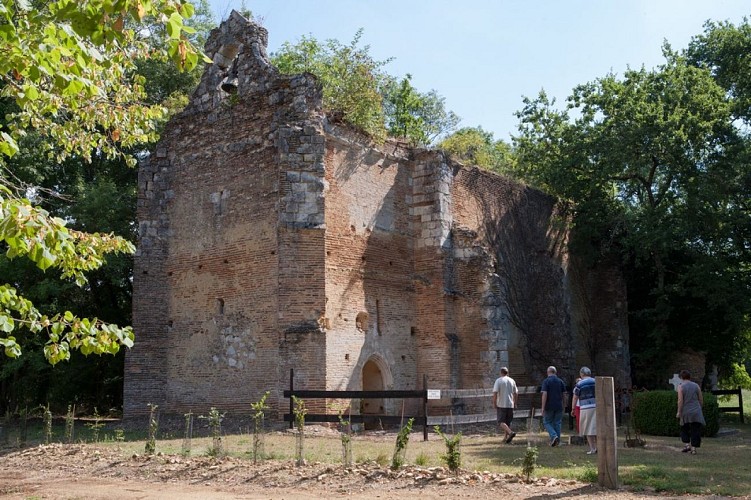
(356, 87)
(656, 165)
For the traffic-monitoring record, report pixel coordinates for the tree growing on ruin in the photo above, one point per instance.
(475, 146)
(357, 88)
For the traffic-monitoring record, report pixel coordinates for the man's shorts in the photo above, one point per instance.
(505, 415)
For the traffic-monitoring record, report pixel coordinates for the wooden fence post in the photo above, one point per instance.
(425, 407)
(607, 434)
(740, 401)
(291, 388)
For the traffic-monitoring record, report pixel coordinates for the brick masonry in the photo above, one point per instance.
(271, 239)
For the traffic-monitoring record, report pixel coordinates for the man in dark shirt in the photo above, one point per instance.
(553, 390)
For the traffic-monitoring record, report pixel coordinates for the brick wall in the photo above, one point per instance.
(271, 240)
(369, 264)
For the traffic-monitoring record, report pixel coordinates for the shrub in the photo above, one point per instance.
(529, 462)
(654, 413)
(421, 459)
(453, 456)
(400, 449)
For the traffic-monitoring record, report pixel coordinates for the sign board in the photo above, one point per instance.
(434, 394)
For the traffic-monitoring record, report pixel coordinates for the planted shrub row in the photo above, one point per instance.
(654, 413)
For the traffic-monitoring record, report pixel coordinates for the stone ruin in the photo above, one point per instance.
(273, 237)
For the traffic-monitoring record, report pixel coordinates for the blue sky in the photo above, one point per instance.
(483, 56)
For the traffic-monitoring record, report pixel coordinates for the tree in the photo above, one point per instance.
(68, 68)
(723, 49)
(358, 90)
(476, 146)
(647, 163)
(420, 118)
(349, 76)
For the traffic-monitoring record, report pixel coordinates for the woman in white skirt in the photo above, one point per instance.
(584, 395)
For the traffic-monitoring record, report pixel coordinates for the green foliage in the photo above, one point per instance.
(259, 412)
(654, 413)
(588, 474)
(68, 68)
(47, 420)
(418, 117)
(70, 424)
(299, 411)
(421, 459)
(356, 87)
(187, 434)
(723, 50)
(475, 146)
(400, 449)
(529, 462)
(214, 419)
(656, 167)
(345, 434)
(737, 377)
(349, 76)
(150, 447)
(453, 456)
(96, 425)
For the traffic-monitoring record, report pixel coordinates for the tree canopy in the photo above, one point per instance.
(357, 88)
(68, 82)
(656, 166)
(476, 146)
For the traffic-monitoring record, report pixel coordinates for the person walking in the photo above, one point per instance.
(584, 395)
(691, 418)
(553, 391)
(505, 394)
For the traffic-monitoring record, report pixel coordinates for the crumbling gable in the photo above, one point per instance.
(271, 239)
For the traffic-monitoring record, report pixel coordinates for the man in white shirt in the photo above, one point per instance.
(504, 402)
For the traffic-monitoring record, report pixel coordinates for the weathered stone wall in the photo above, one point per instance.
(369, 264)
(599, 317)
(271, 240)
(229, 271)
(511, 242)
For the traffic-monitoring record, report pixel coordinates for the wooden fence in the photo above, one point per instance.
(424, 394)
(736, 392)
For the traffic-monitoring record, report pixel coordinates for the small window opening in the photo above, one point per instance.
(378, 317)
(412, 331)
(346, 357)
(220, 306)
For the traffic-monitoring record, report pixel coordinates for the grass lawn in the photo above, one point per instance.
(722, 466)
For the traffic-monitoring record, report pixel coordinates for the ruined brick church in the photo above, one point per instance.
(273, 237)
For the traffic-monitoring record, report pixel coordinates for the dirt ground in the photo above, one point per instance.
(85, 471)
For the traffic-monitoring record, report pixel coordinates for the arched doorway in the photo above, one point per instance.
(372, 380)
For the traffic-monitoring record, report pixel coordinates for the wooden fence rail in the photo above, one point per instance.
(424, 420)
(359, 419)
(730, 392)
